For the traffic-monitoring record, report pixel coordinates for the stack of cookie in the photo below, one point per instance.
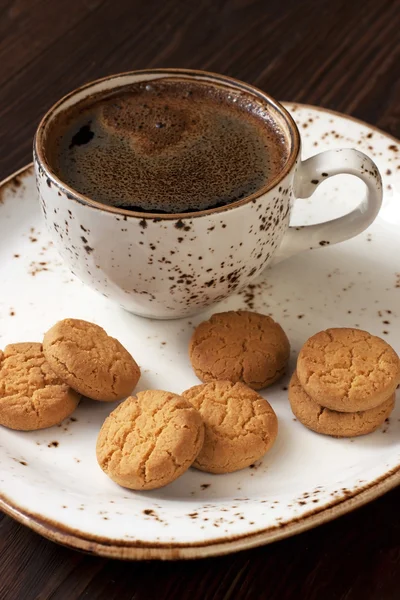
(345, 382)
(41, 384)
(152, 438)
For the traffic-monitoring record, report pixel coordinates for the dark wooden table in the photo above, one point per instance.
(344, 55)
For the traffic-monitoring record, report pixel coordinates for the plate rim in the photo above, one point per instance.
(336, 113)
(137, 550)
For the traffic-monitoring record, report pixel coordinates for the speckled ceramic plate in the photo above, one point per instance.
(50, 481)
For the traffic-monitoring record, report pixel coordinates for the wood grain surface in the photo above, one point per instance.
(342, 54)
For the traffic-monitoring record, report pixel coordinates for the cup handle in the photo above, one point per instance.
(310, 174)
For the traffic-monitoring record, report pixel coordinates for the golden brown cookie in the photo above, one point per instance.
(239, 346)
(348, 370)
(331, 422)
(31, 395)
(150, 440)
(90, 361)
(240, 426)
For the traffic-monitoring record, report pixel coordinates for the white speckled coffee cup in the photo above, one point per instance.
(173, 265)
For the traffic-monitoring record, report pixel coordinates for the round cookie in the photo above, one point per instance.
(149, 440)
(90, 361)
(348, 370)
(239, 346)
(331, 422)
(31, 395)
(240, 426)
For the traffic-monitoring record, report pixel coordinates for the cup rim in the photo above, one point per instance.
(294, 141)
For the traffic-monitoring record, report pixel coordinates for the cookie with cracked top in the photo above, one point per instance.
(240, 425)
(240, 346)
(31, 395)
(149, 440)
(334, 423)
(90, 361)
(348, 370)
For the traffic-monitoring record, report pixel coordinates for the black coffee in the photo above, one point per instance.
(172, 145)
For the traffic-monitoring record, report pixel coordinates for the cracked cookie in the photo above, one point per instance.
(348, 370)
(239, 346)
(334, 423)
(90, 361)
(31, 395)
(150, 440)
(240, 426)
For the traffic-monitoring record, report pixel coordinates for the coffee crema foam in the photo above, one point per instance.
(169, 146)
